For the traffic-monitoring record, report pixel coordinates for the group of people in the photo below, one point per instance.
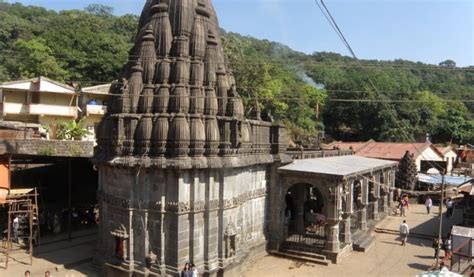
(403, 205)
(445, 244)
(55, 222)
(189, 270)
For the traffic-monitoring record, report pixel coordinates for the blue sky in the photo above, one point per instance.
(429, 31)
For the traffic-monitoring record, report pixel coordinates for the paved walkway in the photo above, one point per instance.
(385, 258)
(56, 254)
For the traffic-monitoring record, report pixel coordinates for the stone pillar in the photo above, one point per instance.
(299, 198)
(211, 236)
(376, 197)
(333, 218)
(277, 224)
(348, 210)
(347, 228)
(197, 221)
(364, 201)
(391, 187)
(387, 190)
(332, 234)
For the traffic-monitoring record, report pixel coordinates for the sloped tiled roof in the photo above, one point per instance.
(355, 145)
(393, 150)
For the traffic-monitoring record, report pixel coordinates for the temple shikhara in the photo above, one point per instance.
(185, 177)
(183, 174)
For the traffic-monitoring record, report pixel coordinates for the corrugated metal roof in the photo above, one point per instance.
(337, 166)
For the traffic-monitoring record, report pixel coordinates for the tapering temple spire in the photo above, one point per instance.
(177, 79)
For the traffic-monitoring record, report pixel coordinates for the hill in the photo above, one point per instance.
(349, 99)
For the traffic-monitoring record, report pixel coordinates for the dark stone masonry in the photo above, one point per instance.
(183, 175)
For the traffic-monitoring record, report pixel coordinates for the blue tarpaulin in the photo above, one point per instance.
(436, 179)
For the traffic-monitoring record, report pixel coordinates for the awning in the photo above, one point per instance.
(468, 188)
(436, 179)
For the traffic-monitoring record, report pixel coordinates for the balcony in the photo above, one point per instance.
(14, 108)
(96, 110)
(53, 110)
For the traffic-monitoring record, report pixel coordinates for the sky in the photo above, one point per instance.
(429, 31)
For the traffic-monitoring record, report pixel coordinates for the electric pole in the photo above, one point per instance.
(440, 230)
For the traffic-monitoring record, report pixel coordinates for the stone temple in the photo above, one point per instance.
(185, 177)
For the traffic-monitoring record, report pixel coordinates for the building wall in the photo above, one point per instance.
(57, 99)
(47, 120)
(202, 206)
(15, 96)
(91, 122)
(450, 157)
(427, 155)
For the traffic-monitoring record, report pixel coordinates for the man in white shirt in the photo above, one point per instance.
(404, 231)
(16, 226)
(450, 208)
(428, 204)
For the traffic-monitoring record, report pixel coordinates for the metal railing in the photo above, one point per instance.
(314, 235)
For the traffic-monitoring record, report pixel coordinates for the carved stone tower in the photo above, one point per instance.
(183, 176)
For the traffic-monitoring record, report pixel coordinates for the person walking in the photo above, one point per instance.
(404, 231)
(428, 204)
(403, 205)
(16, 228)
(447, 246)
(436, 246)
(449, 208)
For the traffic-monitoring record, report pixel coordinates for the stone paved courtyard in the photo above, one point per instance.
(385, 258)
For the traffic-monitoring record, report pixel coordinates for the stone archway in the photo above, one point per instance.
(304, 214)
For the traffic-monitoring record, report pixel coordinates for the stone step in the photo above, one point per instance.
(301, 247)
(294, 255)
(305, 254)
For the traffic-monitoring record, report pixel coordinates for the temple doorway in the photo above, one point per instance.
(305, 216)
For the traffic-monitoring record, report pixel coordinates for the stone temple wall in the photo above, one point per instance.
(211, 217)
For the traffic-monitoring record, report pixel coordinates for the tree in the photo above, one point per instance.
(406, 174)
(35, 59)
(448, 64)
(100, 10)
(454, 126)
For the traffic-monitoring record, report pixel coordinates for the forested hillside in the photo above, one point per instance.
(350, 100)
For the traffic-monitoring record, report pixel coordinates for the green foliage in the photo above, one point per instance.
(403, 100)
(34, 58)
(453, 125)
(72, 130)
(91, 47)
